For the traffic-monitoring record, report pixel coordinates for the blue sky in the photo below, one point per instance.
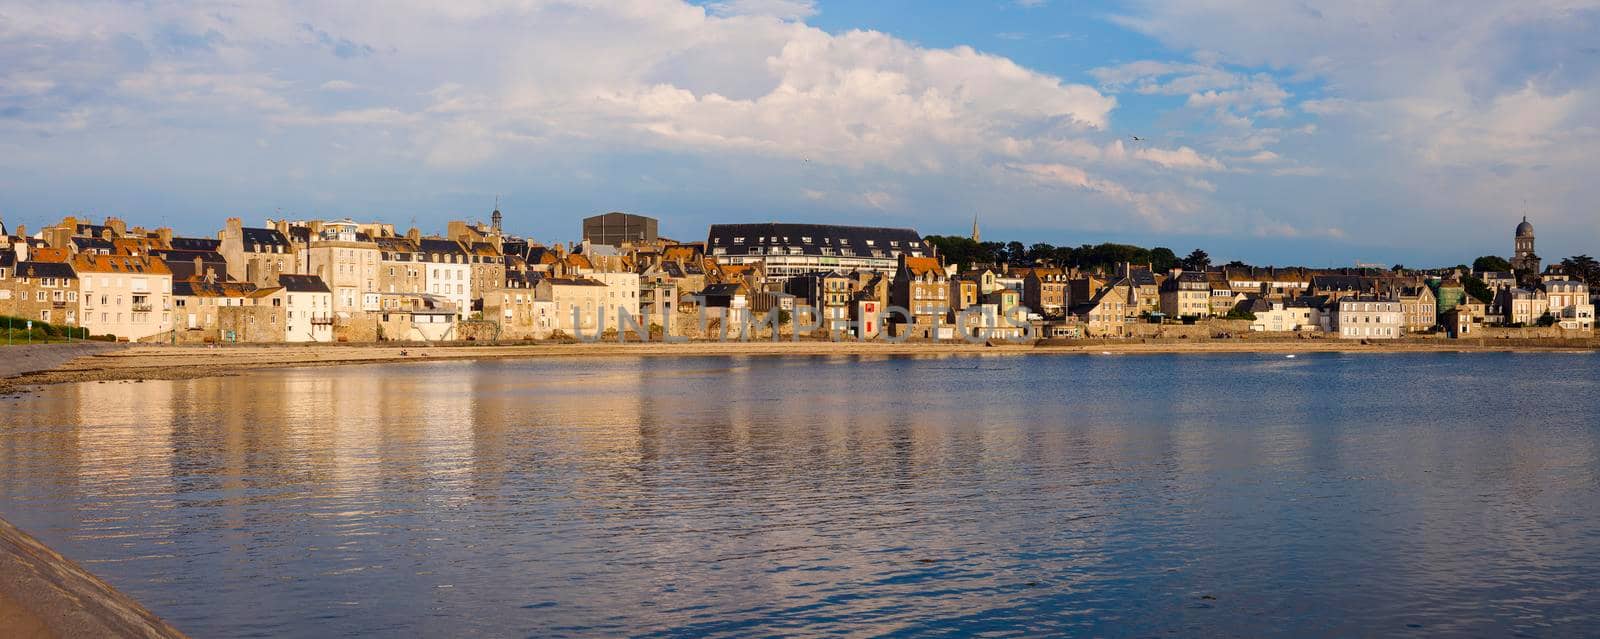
(1318, 133)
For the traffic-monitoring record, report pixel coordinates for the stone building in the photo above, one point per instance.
(126, 296)
(922, 289)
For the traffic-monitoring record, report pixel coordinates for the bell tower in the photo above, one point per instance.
(1523, 258)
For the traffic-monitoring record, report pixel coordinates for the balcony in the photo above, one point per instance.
(142, 308)
(322, 321)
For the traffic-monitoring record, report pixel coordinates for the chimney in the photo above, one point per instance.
(165, 235)
(198, 264)
(211, 274)
(235, 228)
(117, 226)
(414, 234)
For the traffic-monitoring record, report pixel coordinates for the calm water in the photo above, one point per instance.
(1125, 496)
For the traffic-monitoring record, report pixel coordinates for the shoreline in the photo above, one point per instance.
(151, 362)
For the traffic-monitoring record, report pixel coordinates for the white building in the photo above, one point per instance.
(1368, 317)
(448, 272)
(308, 309)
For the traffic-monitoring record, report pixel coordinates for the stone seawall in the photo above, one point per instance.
(43, 594)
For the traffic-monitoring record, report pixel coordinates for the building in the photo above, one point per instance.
(400, 267)
(921, 288)
(255, 255)
(308, 308)
(575, 302)
(1523, 259)
(1520, 306)
(1106, 313)
(1186, 294)
(514, 307)
(617, 228)
(1044, 291)
(129, 297)
(788, 250)
(1570, 305)
(1299, 315)
(416, 317)
(729, 306)
(447, 269)
(1420, 306)
(1367, 317)
(44, 291)
(346, 259)
(829, 293)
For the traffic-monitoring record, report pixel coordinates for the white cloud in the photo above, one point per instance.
(338, 85)
(783, 9)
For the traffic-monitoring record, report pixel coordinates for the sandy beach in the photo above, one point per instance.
(55, 364)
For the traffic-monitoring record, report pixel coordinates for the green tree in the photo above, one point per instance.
(1583, 268)
(1490, 263)
(1162, 259)
(1197, 260)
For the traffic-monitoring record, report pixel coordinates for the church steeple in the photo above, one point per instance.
(975, 236)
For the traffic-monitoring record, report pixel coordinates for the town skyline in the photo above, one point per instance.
(574, 235)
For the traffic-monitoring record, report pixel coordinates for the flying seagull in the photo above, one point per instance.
(1137, 138)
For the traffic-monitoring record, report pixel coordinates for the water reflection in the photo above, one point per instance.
(683, 497)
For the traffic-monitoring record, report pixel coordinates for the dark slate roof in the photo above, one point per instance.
(1142, 277)
(890, 241)
(300, 234)
(430, 246)
(195, 244)
(267, 238)
(399, 249)
(90, 243)
(7, 258)
(303, 284)
(182, 264)
(1308, 301)
(521, 279)
(1338, 282)
(46, 269)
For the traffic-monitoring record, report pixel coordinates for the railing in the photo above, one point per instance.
(142, 308)
(322, 321)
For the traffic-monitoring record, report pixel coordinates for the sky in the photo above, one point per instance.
(1273, 131)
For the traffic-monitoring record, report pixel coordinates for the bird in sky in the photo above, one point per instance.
(1137, 138)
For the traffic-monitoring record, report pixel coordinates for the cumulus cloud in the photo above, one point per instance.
(1473, 104)
(785, 9)
(461, 86)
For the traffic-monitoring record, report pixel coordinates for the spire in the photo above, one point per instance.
(975, 236)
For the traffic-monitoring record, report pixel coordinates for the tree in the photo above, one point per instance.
(1016, 253)
(1490, 263)
(1197, 260)
(1237, 264)
(1583, 268)
(1240, 313)
(1477, 288)
(1398, 268)
(1162, 259)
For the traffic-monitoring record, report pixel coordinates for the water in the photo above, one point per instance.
(1426, 494)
